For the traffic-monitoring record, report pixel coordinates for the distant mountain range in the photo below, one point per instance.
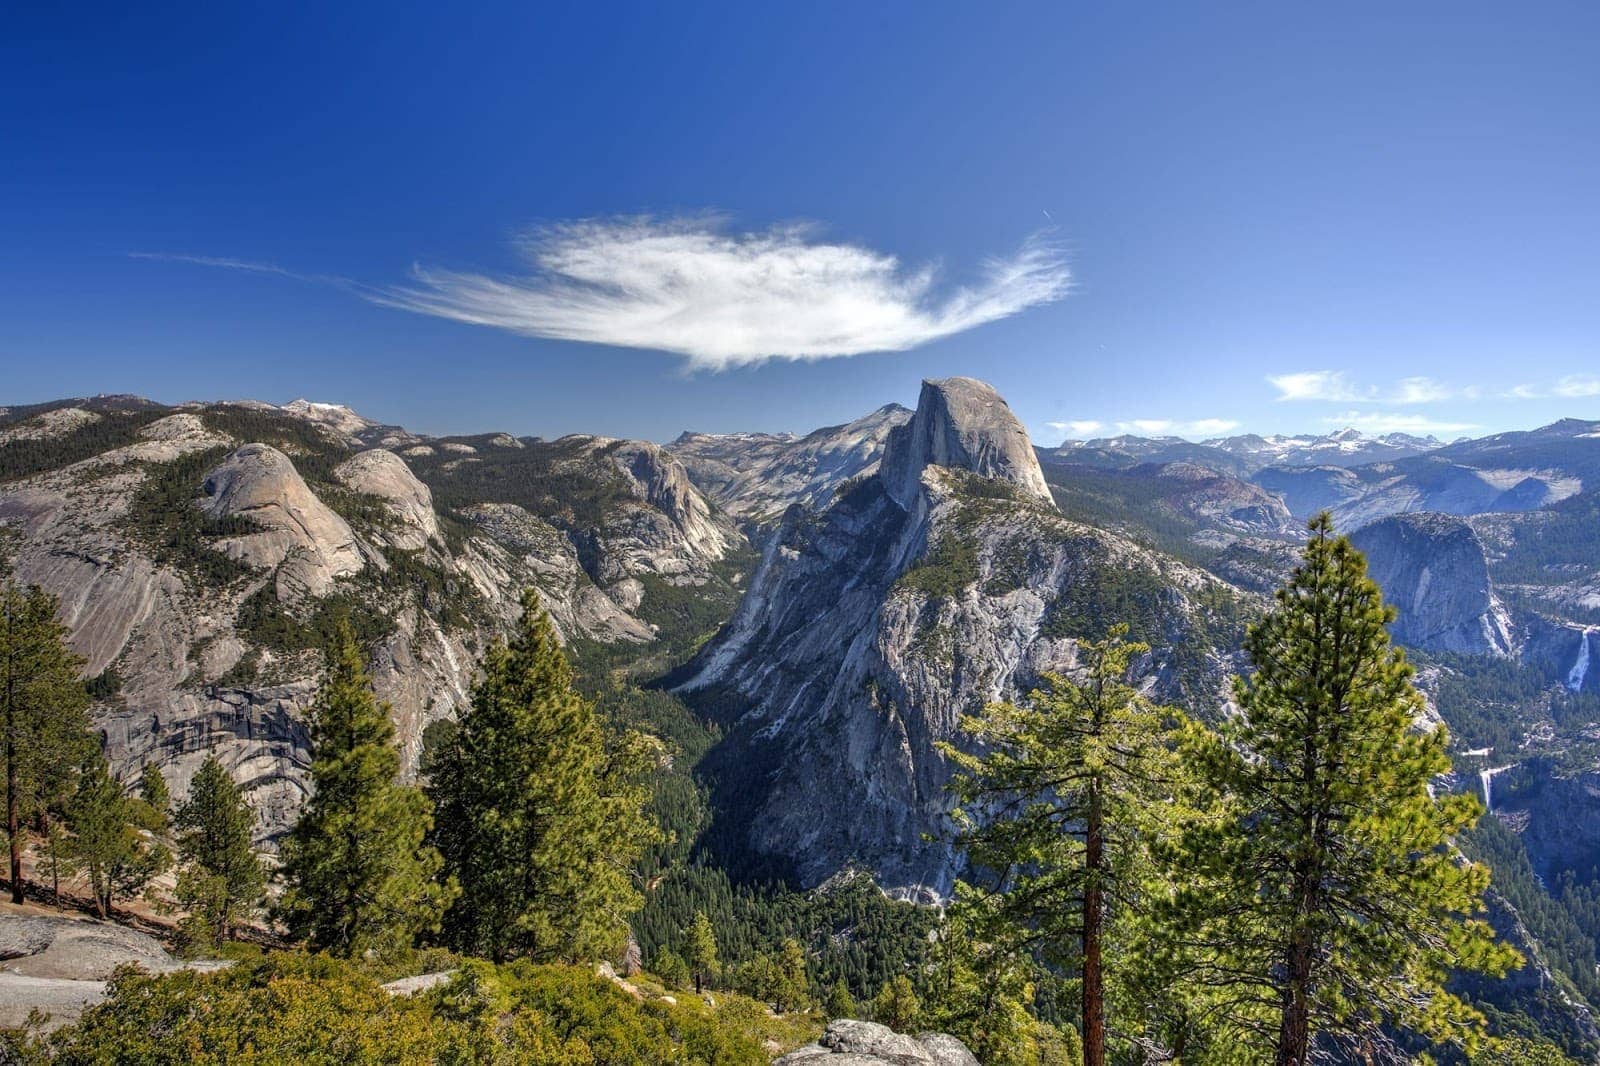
(1250, 451)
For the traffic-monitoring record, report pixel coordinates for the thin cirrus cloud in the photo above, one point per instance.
(1332, 386)
(245, 265)
(1148, 427)
(1381, 422)
(1077, 428)
(721, 299)
(1571, 387)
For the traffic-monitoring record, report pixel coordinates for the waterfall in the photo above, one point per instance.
(1486, 777)
(1580, 669)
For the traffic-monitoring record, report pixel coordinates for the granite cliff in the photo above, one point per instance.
(921, 593)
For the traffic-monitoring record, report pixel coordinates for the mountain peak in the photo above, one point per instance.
(962, 423)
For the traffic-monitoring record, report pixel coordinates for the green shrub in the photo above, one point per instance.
(292, 1007)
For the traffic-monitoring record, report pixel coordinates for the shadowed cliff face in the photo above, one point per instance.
(872, 627)
(1432, 568)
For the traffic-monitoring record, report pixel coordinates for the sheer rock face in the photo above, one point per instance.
(962, 423)
(1432, 568)
(657, 479)
(520, 550)
(315, 545)
(870, 628)
(385, 475)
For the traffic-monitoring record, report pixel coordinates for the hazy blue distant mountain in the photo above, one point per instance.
(1250, 451)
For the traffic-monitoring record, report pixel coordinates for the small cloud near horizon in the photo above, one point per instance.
(1195, 429)
(1333, 386)
(1383, 422)
(1571, 387)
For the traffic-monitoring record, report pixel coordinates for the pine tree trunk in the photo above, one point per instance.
(1094, 1007)
(13, 800)
(1294, 1032)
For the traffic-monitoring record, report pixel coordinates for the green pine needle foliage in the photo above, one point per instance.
(1327, 903)
(360, 880)
(540, 814)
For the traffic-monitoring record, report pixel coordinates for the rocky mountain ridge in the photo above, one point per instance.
(918, 595)
(199, 555)
(756, 476)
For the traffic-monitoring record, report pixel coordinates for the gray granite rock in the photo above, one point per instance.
(854, 1043)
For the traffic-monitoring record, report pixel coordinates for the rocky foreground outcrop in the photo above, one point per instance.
(58, 965)
(853, 1043)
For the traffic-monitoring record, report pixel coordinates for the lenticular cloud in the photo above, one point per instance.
(726, 300)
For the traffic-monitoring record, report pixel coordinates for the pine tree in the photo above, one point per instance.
(670, 967)
(157, 798)
(221, 878)
(896, 1005)
(360, 879)
(1060, 811)
(539, 817)
(106, 841)
(701, 951)
(980, 994)
(56, 857)
(42, 713)
(1331, 899)
(839, 1003)
(793, 989)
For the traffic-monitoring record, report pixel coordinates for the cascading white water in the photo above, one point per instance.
(1486, 777)
(1580, 669)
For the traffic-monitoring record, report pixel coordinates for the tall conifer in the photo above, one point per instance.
(360, 879)
(42, 714)
(1330, 898)
(1060, 811)
(539, 817)
(221, 878)
(107, 842)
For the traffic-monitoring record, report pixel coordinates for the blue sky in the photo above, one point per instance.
(1168, 217)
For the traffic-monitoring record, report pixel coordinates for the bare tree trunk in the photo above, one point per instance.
(1094, 1000)
(13, 799)
(1294, 1031)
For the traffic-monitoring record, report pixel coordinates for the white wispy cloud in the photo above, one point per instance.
(1333, 386)
(1381, 422)
(1577, 386)
(1175, 427)
(246, 265)
(1316, 385)
(1078, 428)
(1423, 390)
(1208, 427)
(1571, 387)
(725, 299)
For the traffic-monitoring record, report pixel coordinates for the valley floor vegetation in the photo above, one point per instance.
(1284, 886)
